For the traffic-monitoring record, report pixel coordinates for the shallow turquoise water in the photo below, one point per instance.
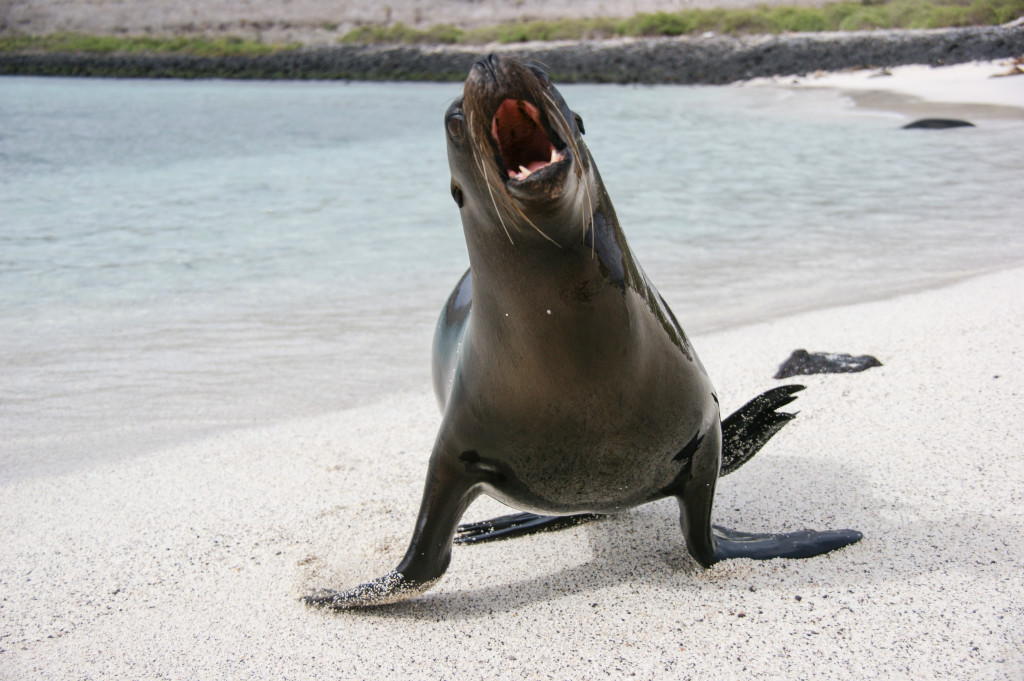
(183, 257)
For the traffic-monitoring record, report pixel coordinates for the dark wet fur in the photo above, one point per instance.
(744, 433)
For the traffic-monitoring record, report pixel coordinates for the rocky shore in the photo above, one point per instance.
(710, 59)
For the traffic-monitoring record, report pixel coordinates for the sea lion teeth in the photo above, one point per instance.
(520, 138)
(526, 171)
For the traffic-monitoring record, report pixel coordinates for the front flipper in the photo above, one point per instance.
(802, 544)
(390, 588)
(695, 491)
(517, 524)
(451, 486)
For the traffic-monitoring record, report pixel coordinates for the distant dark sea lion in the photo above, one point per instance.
(566, 383)
(937, 124)
(805, 363)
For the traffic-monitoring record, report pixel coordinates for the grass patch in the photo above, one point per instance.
(839, 16)
(440, 34)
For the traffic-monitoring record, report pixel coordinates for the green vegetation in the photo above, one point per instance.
(840, 16)
(440, 34)
(76, 42)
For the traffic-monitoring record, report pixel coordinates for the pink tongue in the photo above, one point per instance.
(537, 165)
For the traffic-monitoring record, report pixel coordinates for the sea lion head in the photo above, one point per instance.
(517, 156)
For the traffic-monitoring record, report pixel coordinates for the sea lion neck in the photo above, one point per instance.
(589, 263)
(535, 210)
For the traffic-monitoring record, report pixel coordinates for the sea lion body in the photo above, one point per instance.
(566, 384)
(580, 406)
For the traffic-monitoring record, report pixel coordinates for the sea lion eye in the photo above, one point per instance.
(457, 195)
(455, 125)
(579, 123)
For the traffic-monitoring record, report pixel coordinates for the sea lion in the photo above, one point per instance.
(566, 384)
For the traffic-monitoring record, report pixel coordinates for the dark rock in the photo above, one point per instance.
(802, 363)
(937, 124)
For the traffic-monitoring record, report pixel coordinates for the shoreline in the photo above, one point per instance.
(20, 470)
(189, 561)
(984, 90)
(684, 60)
(970, 82)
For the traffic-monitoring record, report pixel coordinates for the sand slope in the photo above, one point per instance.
(312, 20)
(189, 563)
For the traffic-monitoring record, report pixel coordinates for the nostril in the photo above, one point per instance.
(490, 64)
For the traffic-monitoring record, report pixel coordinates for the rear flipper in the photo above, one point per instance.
(749, 427)
(803, 544)
(516, 525)
(743, 435)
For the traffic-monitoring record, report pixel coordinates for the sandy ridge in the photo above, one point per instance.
(310, 21)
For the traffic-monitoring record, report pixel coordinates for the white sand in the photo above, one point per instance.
(970, 89)
(189, 563)
(974, 83)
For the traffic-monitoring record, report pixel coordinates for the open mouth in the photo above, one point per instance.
(524, 146)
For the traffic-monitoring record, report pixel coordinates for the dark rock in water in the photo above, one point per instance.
(802, 362)
(937, 124)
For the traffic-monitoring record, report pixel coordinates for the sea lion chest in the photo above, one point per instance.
(575, 405)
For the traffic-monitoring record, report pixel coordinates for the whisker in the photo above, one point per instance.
(590, 221)
(493, 202)
(519, 211)
(487, 182)
(539, 230)
(566, 132)
(490, 172)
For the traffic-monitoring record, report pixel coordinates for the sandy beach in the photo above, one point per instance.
(190, 562)
(986, 88)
